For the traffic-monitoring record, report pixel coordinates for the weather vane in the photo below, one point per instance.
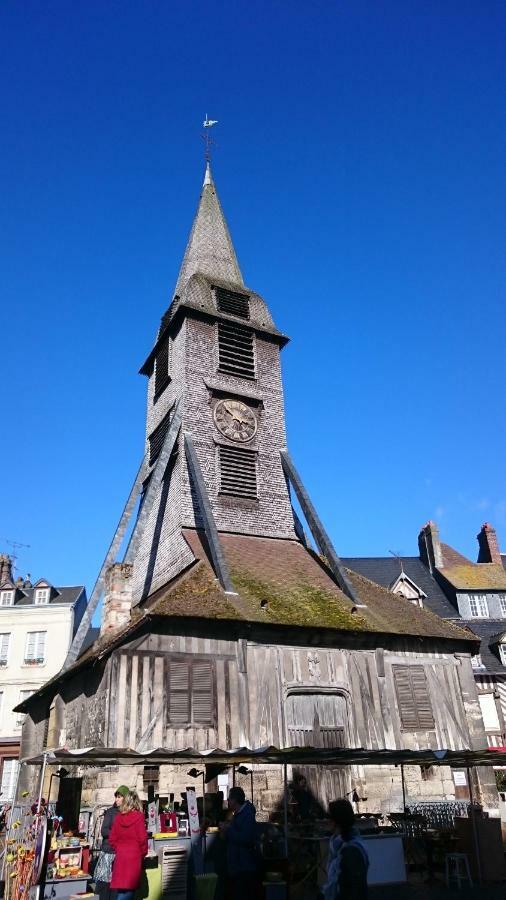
(208, 123)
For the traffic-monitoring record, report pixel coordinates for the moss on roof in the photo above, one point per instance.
(298, 603)
(197, 594)
(475, 576)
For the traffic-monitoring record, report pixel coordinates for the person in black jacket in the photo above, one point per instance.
(240, 834)
(347, 861)
(103, 869)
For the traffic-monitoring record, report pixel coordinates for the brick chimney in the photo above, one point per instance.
(117, 597)
(489, 547)
(429, 546)
(5, 568)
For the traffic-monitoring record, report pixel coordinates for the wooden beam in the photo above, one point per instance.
(110, 557)
(153, 488)
(218, 557)
(320, 536)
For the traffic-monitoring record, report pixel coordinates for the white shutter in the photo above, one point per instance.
(8, 783)
(41, 645)
(35, 645)
(4, 647)
(489, 712)
(30, 645)
(23, 695)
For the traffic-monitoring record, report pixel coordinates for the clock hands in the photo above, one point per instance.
(234, 414)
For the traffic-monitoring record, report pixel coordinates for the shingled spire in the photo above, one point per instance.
(210, 250)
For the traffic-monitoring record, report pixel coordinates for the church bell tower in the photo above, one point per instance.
(215, 407)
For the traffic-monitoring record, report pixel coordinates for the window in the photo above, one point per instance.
(479, 606)
(236, 350)
(23, 695)
(4, 649)
(502, 653)
(489, 712)
(502, 601)
(35, 647)
(413, 700)
(162, 377)
(476, 661)
(6, 598)
(190, 697)
(9, 778)
(238, 472)
(232, 302)
(41, 596)
(157, 438)
(316, 720)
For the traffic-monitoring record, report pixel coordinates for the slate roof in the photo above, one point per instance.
(487, 630)
(67, 595)
(385, 570)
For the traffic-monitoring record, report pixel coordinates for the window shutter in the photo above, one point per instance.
(415, 709)
(179, 692)
(202, 692)
(238, 472)
(41, 645)
(30, 645)
(157, 438)
(4, 647)
(162, 369)
(8, 783)
(236, 352)
(232, 302)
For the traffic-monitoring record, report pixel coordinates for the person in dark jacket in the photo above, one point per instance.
(240, 834)
(103, 869)
(347, 861)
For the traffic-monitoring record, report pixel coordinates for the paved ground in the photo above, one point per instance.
(437, 892)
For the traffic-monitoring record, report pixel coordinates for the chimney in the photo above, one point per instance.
(117, 597)
(5, 568)
(489, 547)
(429, 547)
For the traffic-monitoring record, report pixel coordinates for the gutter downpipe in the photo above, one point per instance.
(285, 805)
(472, 812)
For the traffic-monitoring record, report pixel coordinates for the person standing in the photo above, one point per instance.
(347, 861)
(240, 834)
(103, 868)
(129, 840)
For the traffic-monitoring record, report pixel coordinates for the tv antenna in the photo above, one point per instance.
(397, 556)
(16, 545)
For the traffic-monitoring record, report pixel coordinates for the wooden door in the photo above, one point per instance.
(319, 720)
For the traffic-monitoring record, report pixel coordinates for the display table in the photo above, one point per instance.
(59, 888)
(386, 858)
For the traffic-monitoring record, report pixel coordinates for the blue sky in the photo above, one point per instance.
(360, 163)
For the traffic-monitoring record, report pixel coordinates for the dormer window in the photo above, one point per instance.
(502, 601)
(479, 606)
(502, 653)
(41, 596)
(477, 662)
(6, 598)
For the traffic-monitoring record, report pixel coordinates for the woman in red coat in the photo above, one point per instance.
(129, 840)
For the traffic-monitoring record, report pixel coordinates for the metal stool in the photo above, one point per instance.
(457, 869)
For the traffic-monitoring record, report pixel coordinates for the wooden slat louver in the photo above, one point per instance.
(179, 692)
(157, 438)
(232, 302)
(202, 693)
(162, 369)
(413, 699)
(236, 350)
(238, 472)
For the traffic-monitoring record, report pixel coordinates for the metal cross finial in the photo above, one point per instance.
(208, 123)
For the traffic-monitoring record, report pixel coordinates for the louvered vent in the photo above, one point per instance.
(413, 698)
(162, 369)
(237, 355)
(232, 303)
(238, 472)
(157, 438)
(174, 873)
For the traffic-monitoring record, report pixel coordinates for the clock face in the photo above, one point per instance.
(235, 420)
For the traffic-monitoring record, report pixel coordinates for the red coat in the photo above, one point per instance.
(129, 840)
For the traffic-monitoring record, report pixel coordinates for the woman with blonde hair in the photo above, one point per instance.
(129, 840)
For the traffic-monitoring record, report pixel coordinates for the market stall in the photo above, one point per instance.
(385, 844)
